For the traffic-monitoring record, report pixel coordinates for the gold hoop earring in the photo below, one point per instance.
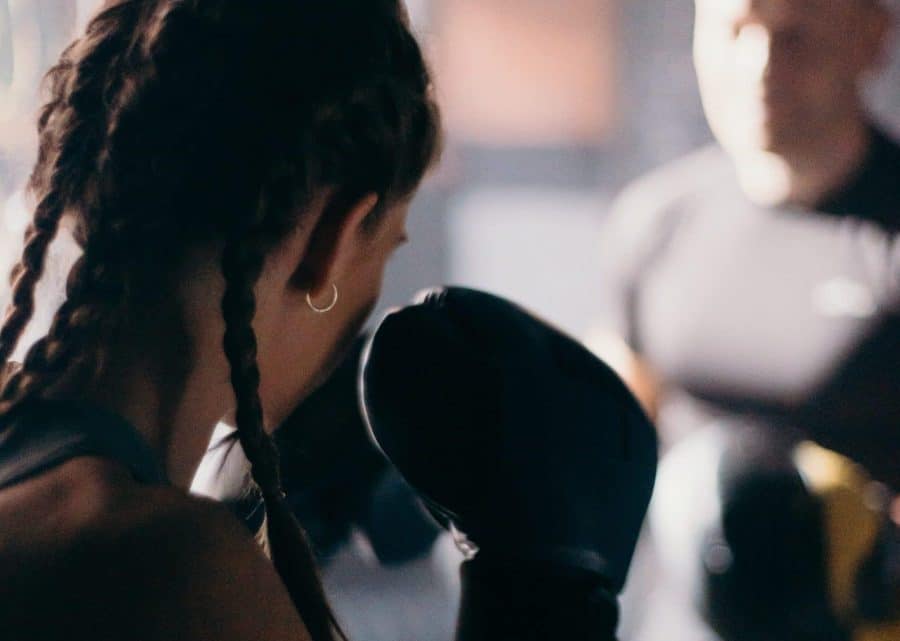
(329, 307)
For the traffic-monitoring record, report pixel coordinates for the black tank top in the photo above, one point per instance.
(39, 435)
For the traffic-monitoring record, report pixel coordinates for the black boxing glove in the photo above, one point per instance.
(335, 478)
(518, 437)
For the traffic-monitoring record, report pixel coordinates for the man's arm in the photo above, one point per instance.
(636, 373)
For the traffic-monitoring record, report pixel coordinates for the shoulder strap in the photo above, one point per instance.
(39, 435)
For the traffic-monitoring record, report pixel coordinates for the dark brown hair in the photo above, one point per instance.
(178, 124)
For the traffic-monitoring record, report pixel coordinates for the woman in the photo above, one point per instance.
(236, 173)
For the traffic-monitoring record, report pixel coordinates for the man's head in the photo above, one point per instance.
(779, 75)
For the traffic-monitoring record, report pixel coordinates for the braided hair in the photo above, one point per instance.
(173, 125)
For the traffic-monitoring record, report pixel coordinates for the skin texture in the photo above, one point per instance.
(351, 257)
(93, 531)
(781, 87)
(297, 346)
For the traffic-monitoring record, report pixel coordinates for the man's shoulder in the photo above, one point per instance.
(651, 206)
(672, 184)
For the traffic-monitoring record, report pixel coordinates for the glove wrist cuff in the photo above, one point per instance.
(562, 565)
(523, 599)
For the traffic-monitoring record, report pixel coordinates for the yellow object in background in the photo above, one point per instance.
(853, 520)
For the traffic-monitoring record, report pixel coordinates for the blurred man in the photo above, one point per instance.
(760, 278)
(757, 282)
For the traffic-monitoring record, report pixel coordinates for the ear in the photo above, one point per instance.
(334, 243)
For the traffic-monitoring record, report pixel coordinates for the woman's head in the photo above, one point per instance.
(253, 132)
(277, 142)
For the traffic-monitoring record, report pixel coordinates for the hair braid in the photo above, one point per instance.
(241, 268)
(78, 324)
(27, 272)
(242, 262)
(71, 128)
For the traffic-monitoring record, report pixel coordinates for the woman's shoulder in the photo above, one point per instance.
(104, 557)
(206, 575)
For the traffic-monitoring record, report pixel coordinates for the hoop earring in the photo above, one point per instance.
(329, 307)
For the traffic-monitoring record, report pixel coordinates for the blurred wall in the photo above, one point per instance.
(551, 108)
(520, 214)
